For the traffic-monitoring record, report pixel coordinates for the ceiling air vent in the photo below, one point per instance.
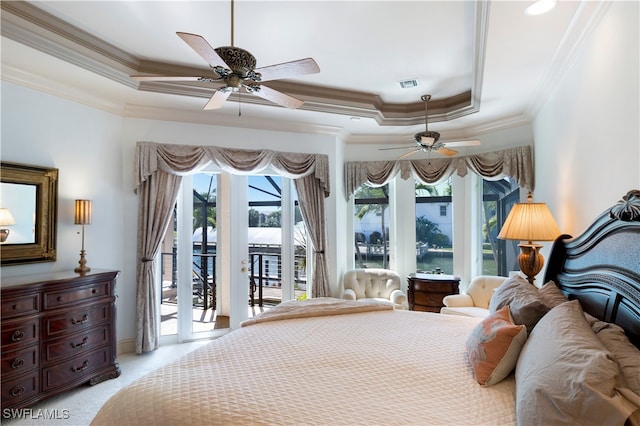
(407, 84)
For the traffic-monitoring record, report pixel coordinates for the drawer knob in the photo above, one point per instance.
(17, 363)
(17, 391)
(17, 335)
(60, 298)
(84, 319)
(79, 345)
(84, 366)
(17, 307)
(94, 291)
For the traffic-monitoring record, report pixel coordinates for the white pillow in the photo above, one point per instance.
(565, 376)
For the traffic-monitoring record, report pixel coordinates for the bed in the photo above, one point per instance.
(330, 361)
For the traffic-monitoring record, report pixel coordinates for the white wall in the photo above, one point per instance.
(85, 145)
(587, 138)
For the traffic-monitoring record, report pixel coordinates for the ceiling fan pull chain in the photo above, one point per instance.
(239, 103)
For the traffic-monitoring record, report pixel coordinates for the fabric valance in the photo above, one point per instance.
(182, 159)
(516, 163)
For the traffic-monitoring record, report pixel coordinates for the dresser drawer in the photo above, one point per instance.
(23, 305)
(56, 299)
(76, 319)
(429, 299)
(77, 370)
(19, 333)
(434, 286)
(19, 361)
(19, 389)
(75, 344)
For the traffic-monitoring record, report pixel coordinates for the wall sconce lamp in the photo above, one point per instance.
(6, 219)
(82, 217)
(530, 222)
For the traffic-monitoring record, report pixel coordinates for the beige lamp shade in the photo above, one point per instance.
(6, 218)
(529, 222)
(83, 212)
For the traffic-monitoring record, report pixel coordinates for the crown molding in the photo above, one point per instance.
(25, 23)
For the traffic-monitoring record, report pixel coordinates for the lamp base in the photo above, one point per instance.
(4, 233)
(83, 268)
(530, 260)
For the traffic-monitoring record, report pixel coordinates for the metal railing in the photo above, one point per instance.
(265, 272)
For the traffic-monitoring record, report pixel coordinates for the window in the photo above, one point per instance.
(434, 228)
(498, 256)
(371, 227)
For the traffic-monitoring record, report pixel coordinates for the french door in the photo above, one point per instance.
(215, 259)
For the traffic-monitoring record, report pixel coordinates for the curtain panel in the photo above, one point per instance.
(516, 163)
(157, 176)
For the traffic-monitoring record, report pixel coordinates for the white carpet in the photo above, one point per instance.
(78, 407)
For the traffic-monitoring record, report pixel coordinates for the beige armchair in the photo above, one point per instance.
(382, 285)
(475, 303)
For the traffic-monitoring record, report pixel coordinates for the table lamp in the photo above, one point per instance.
(530, 222)
(82, 217)
(6, 219)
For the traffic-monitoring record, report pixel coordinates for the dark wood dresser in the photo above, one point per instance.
(426, 291)
(58, 332)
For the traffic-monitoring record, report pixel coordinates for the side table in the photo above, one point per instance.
(426, 291)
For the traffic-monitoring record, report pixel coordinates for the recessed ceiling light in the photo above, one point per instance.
(407, 84)
(539, 7)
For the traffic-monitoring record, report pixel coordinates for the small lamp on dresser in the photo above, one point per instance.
(6, 219)
(82, 217)
(530, 222)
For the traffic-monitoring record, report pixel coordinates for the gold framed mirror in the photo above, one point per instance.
(28, 213)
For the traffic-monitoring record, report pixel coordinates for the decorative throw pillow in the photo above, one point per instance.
(526, 303)
(493, 347)
(565, 376)
(552, 295)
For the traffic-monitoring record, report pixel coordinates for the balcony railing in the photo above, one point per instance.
(265, 272)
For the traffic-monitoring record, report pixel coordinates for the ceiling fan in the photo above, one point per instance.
(429, 141)
(235, 69)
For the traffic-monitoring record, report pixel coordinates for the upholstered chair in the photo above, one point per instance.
(475, 303)
(382, 285)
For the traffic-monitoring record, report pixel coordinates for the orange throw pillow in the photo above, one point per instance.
(494, 346)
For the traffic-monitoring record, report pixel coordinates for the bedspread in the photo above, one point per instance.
(382, 367)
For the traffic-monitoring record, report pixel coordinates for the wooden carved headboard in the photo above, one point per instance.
(601, 267)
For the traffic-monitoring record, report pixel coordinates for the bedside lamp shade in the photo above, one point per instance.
(530, 222)
(83, 212)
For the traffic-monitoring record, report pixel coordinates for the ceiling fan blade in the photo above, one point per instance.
(277, 97)
(447, 151)
(217, 99)
(408, 154)
(397, 147)
(471, 142)
(202, 48)
(162, 78)
(288, 69)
